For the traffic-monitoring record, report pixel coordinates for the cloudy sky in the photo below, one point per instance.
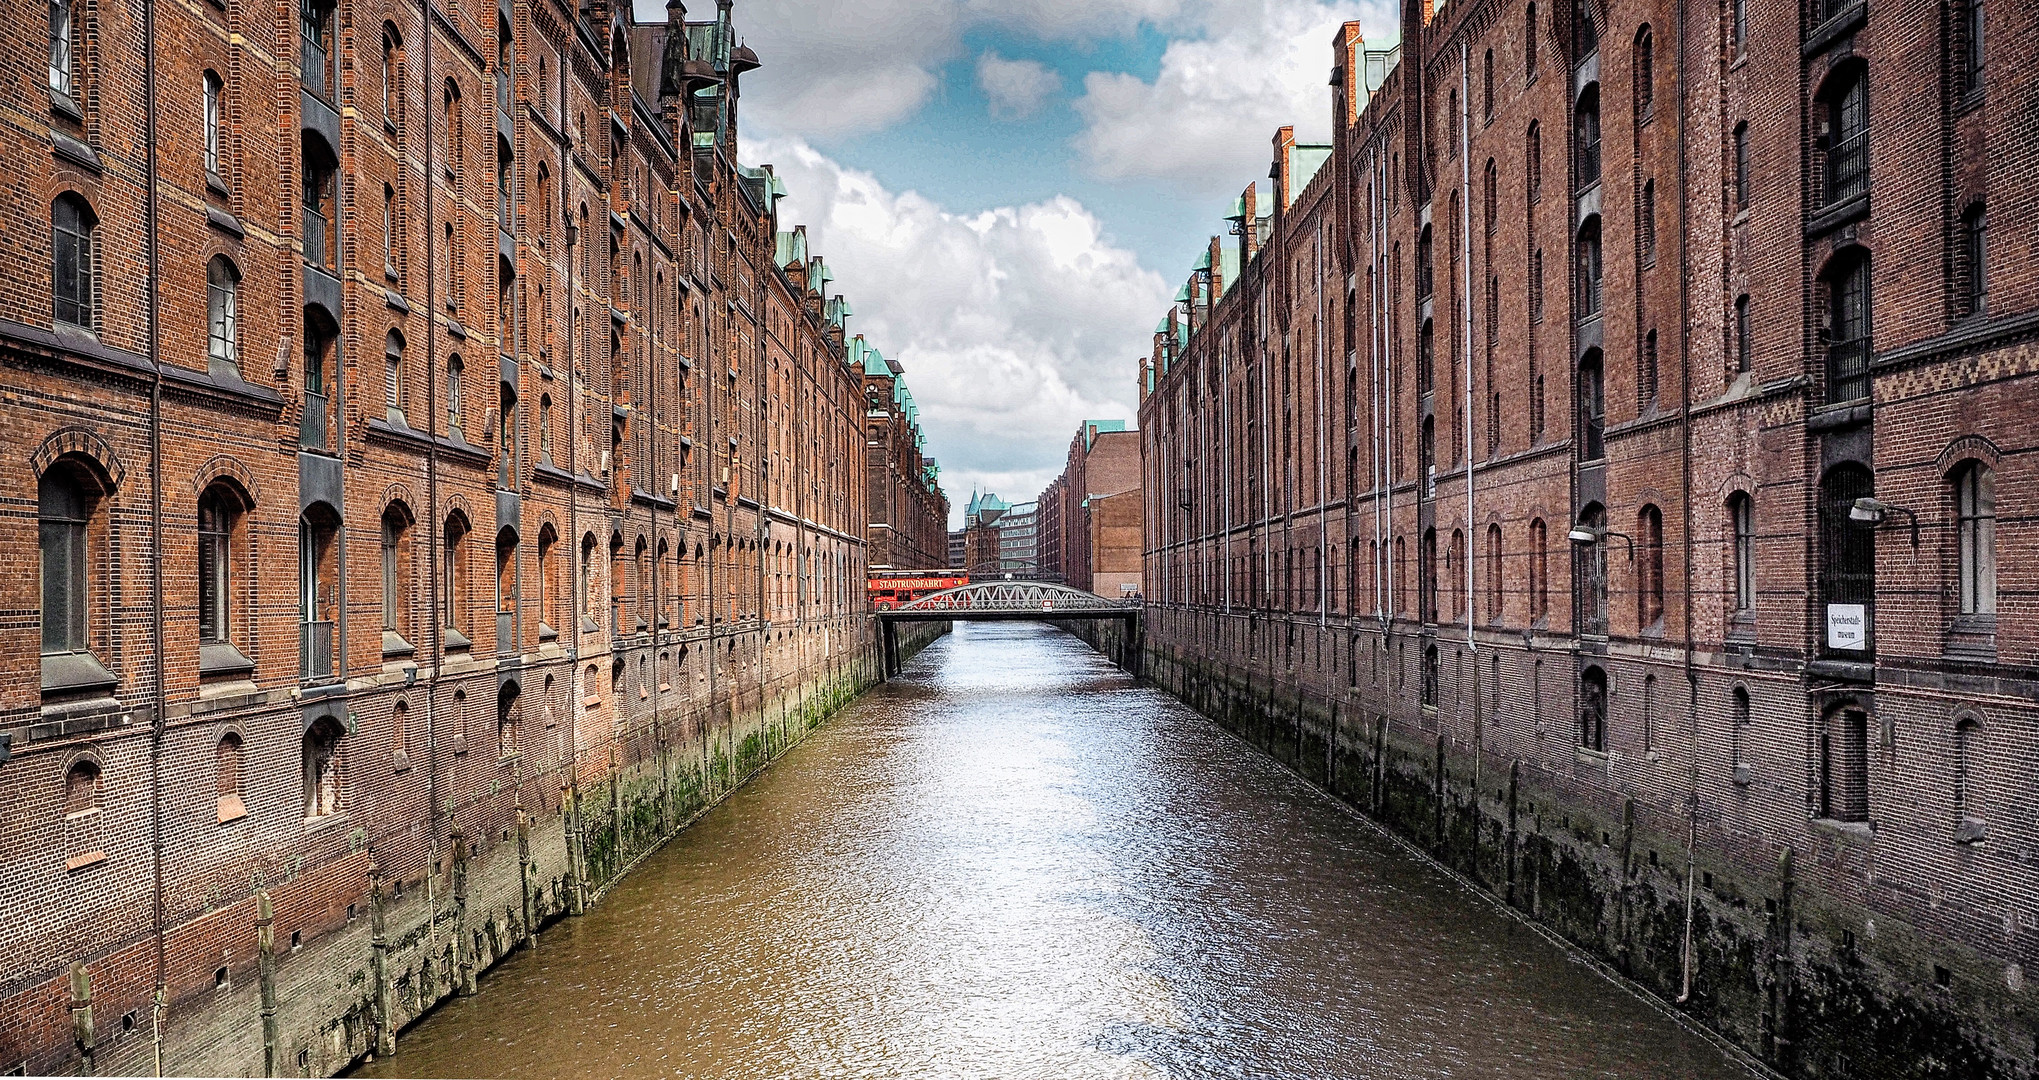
(1010, 191)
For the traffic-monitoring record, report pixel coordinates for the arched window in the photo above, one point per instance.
(505, 47)
(1645, 75)
(1425, 264)
(393, 377)
(222, 302)
(74, 276)
(542, 229)
(545, 430)
(1743, 354)
(81, 787)
(1972, 46)
(1847, 561)
(227, 778)
(587, 581)
(391, 242)
(1738, 29)
(509, 720)
(548, 580)
(1975, 260)
(1970, 808)
(321, 344)
(1649, 714)
(1844, 765)
(455, 391)
(1539, 571)
(506, 163)
(1649, 542)
(318, 535)
(1847, 330)
(1426, 454)
(1975, 527)
(1494, 573)
(1741, 512)
(317, 64)
(456, 133)
(1532, 159)
(506, 436)
(1461, 601)
(617, 583)
(1586, 135)
(1426, 357)
(1592, 408)
(1586, 277)
(219, 511)
(66, 498)
(1590, 571)
(1430, 677)
(1845, 99)
(1529, 41)
(640, 592)
(1738, 735)
(1593, 709)
(1487, 88)
(392, 77)
(455, 598)
(396, 580)
(213, 89)
(322, 768)
(506, 576)
(321, 205)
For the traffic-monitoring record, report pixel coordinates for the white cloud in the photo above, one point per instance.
(1206, 122)
(1014, 325)
(1017, 88)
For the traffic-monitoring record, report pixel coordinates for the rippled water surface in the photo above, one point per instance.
(1011, 862)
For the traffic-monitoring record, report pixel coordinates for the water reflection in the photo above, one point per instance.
(1014, 863)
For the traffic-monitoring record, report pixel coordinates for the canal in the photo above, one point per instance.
(1012, 862)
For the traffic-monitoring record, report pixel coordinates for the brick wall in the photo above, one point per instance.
(1373, 579)
(602, 440)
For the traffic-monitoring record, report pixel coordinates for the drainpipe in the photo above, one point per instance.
(433, 633)
(1685, 464)
(1465, 210)
(162, 695)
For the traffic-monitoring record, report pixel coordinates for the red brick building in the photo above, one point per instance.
(1103, 462)
(446, 478)
(1603, 462)
(908, 514)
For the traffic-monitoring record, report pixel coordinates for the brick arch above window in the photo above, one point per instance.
(1968, 448)
(225, 467)
(80, 444)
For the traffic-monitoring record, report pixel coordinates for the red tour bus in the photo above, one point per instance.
(892, 588)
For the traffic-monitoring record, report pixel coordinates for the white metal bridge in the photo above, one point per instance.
(1008, 601)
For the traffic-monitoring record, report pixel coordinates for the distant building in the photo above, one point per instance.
(908, 514)
(957, 551)
(1076, 544)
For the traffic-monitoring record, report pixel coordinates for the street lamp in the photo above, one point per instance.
(1873, 512)
(1587, 535)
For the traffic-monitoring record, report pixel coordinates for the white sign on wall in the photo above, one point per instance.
(1848, 627)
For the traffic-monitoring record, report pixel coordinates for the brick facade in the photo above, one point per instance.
(515, 513)
(909, 515)
(1688, 282)
(1103, 461)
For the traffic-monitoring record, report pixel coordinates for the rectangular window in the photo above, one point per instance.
(1976, 523)
(1742, 356)
(61, 70)
(1975, 55)
(212, 120)
(1975, 230)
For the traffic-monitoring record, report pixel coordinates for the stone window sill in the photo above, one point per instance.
(84, 861)
(231, 809)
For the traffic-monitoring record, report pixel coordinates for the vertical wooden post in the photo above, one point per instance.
(265, 939)
(378, 942)
(81, 1017)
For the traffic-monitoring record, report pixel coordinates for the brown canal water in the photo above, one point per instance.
(1012, 862)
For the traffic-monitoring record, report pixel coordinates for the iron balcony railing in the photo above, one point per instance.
(316, 228)
(1848, 370)
(315, 650)
(1848, 168)
(312, 430)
